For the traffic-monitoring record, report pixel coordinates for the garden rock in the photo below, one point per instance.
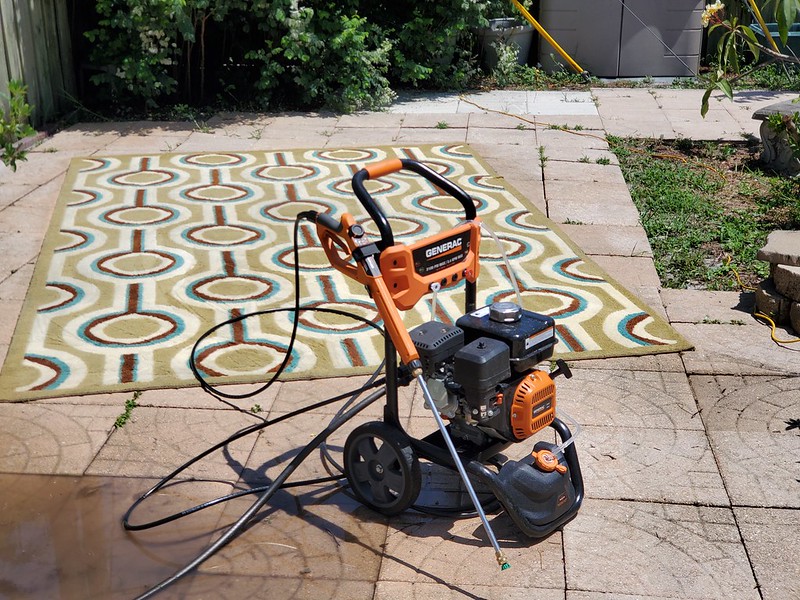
(771, 303)
(787, 281)
(794, 316)
(776, 153)
(782, 248)
(779, 296)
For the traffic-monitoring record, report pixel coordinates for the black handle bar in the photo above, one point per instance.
(390, 166)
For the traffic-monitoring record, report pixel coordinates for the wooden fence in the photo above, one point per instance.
(35, 48)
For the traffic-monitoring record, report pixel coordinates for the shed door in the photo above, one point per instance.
(676, 22)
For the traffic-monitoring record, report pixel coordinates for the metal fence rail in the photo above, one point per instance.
(35, 48)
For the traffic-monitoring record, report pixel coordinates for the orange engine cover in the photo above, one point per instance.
(533, 405)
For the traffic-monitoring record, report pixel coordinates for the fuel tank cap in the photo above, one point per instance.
(505, 312)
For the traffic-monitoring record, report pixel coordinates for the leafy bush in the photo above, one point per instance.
(320, 55)
(14, 123)
(299, 53)
(137, 44)
(432, 40)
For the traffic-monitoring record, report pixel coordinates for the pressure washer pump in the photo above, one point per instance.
(479, 374)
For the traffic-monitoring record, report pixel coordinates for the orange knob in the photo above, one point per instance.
(548, 462)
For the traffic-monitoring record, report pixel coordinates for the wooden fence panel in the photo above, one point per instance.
(36, 49)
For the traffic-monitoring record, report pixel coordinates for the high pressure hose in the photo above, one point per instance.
(341, 417)
(265, 496)
(509, 270)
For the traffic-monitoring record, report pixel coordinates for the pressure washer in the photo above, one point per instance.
(478, 374)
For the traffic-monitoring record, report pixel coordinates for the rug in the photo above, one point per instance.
(146, 253)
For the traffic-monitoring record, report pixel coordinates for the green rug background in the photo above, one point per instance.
(145, 253)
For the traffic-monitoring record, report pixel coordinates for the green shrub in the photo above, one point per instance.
(290, 53)
(137, 45)
(320, 55)
(14, 123)
(433, 41)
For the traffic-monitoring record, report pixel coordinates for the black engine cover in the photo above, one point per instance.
(530, 339)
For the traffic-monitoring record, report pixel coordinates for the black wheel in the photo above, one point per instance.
(382, 467)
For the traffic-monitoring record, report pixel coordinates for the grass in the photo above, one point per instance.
(130, 404)
(707, 208)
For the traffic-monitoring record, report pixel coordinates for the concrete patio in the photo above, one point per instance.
(692, 473)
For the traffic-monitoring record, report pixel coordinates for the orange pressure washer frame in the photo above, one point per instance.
(397, 275)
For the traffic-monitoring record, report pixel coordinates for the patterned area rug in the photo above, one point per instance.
(145, 253)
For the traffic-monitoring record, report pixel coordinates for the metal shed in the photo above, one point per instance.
(625, 38)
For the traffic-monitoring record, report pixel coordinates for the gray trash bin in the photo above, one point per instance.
(509, 31)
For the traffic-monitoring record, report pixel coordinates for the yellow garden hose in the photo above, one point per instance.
(757, 314)
(763, 25)
(548, 38)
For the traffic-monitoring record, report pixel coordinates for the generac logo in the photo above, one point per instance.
(444, 247)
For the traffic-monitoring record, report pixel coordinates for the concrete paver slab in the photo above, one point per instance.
(201, 141)
(511, 101)
(587, 123)
(753, 417)
(52, 439)
(297, 539)
(628, 240)
(11, 192)
(15, 285)
(16, 247)
(650, 465)
(428, 550)
(580, 155)
(444, 120)
(285, 139)
(633, 272)
(751, 404)
(640, 125)
(419, 135)
(490, 135)
(494, 120)
(626, 399)
(738, 350)
(581, 595)
(38, 169)
(293, 395)
(155, 441)
(782, 247)
(361, 136)
(194, 397)
(361, 120)
(204, 585)
(594, 204)
(702, 306)
(577, 141)
(403, 590)
(425, 102)
(771, 479)
(661, 550)
(668, 363)
(277, 445)
(773, 549)
(588, 173)
(63, 537)
(81, 140)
